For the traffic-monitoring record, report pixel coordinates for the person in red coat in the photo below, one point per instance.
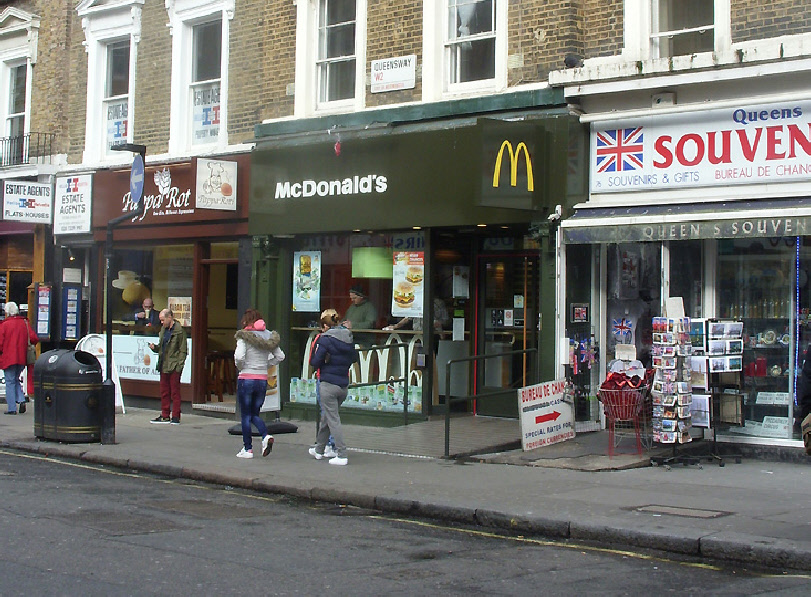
(14, 335)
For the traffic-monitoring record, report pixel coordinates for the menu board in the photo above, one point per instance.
(71, 314)
(43, 312)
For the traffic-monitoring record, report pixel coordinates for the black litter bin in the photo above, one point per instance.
(67, 396)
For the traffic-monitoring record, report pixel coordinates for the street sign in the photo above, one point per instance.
(137, 179)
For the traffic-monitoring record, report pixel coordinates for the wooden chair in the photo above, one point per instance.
(229, 373)
(214, 370)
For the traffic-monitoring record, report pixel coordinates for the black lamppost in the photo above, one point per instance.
(136, 190)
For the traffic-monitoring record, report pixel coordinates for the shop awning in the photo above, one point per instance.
(729, 219)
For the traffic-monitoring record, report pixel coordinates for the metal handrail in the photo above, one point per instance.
(388, 381)
(470, 397)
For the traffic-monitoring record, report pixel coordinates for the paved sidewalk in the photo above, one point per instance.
(756, 512)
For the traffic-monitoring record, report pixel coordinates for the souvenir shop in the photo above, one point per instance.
(709, 206)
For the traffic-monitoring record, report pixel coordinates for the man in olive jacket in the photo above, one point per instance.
(171, 349)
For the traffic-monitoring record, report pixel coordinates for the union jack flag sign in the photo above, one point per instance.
(622, 329)
(619, 150)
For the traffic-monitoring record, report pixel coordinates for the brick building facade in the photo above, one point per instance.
(262, 66)
(282, 80)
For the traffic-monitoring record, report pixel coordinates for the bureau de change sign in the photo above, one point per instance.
(545, 418)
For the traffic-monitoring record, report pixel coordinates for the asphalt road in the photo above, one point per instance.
(74, 529)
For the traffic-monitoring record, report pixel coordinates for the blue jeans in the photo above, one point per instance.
(14, 391)
(251, 395)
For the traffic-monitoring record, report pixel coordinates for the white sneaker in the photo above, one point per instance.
(243, 453)
(329, 452)
(315, 454)
(338, 461)
(267, 444)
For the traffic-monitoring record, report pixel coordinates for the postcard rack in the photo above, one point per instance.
(724, 353)
(672, 390)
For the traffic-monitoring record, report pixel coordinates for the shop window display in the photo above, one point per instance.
(756, 283)
(582, 369)
(634, 283)
(163, 274)
(325, 269)
(686, 275)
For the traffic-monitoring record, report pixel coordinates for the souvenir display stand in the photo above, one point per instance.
(724, 354)
(671, 391)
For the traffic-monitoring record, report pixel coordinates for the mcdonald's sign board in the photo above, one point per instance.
(511, 164)
(514, 157)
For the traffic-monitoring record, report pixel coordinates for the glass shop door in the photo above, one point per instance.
(507, 320)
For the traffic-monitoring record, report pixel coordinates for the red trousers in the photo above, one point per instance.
(170, 395)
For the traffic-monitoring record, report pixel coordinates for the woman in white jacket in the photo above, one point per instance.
(257, 349)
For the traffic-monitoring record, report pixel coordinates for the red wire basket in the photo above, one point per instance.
(624, 404)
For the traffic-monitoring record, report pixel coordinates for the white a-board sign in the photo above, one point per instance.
(545, 418)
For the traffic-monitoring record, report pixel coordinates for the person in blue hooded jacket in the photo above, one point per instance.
(333, 355)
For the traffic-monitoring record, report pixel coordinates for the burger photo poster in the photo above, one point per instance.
(407, 283)
(307, 281)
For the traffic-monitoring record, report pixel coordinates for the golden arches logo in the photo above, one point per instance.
(513, 165)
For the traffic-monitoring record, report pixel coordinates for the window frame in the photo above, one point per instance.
(19, 37)
(657, 35)
(107, 25)
(436, 71)
(639, 30)
(14, 143)
(454, 45)
(184, 17)
(324, 63)
(307, 87)
(200, 85)
(11, 113)
(109, 99)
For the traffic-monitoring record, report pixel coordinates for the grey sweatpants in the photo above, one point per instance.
(332, 397)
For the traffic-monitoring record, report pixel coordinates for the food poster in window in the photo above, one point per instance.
(307, 281)
(181, 309)
(408, 283)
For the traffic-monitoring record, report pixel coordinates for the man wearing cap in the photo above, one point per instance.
(361, 315)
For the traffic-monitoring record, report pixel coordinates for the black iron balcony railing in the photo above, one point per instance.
(33, 148)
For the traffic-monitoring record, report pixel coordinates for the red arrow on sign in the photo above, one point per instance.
(553, 416)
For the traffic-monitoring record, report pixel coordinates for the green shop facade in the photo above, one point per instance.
(443, 216)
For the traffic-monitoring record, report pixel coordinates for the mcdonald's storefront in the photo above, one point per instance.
(434, 222)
